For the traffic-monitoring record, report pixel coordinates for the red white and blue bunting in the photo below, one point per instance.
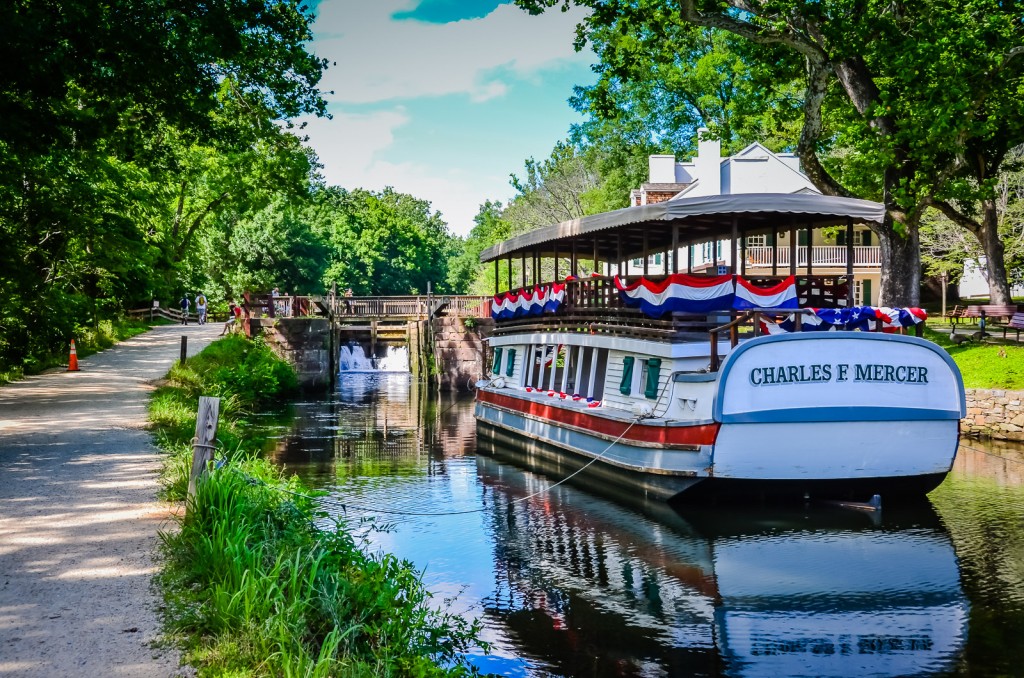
(750, 296)
(861, 318)
(528, 302)
(678, 293)
(683, 293)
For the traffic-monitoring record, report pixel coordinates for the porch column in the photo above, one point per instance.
(675, 249)
(733, 253)
(849, 262)
(775, 249)
(510, 271)
(810, 250)
(522, 263)
(689, 258)
(645, 251)
(792, 248)
(497, 278)
(573, 270)
(618, 254)
(556, 261)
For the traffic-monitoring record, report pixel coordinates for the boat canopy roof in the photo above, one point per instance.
(628, 232)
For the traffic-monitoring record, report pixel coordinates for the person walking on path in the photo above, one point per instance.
(201, 309)
(185, 305)
(80, 518)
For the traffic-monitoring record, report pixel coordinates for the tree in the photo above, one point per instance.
(98, 102)
(915, 104)
(465, 272)
(382, 243)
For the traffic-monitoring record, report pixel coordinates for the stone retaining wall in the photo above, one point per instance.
(304, 342)
(994, 413)
(459, 351)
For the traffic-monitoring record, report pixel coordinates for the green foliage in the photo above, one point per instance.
(253, 585)
(130, 128)
(382, 243)
(915, 105)
(246, 375)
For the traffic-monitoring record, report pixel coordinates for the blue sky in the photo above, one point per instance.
(442, 99)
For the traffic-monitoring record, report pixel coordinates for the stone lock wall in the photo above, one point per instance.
(994, 413)
(459, 351)
(303, 342)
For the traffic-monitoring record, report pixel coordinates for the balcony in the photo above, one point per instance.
(823, 255)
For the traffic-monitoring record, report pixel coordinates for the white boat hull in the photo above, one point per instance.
(837, 415)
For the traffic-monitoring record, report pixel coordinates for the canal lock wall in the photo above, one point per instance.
(994, 413)
(458, 353)
(304, 342)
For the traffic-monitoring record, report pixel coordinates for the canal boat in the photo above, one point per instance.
(735, 381)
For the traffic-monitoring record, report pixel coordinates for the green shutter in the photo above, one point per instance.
(801, 238)
(511, 362)
(841, 238)
(627, 375)
(865, 293)
(865, 238)
(653, 373)
(496, 368)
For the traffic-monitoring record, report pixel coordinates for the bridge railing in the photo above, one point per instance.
(417, 306)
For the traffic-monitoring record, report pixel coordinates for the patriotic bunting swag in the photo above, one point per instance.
(861, 318)
(683, 293)
(528, 302)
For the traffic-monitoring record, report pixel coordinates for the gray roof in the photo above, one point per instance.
(700, 219)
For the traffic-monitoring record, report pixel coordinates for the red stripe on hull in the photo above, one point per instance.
(703, 434)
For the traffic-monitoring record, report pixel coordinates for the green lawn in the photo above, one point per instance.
(993, 363)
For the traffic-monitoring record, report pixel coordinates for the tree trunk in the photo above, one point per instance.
(995, 262)
(901, 264)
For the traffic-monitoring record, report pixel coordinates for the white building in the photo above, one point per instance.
(755, 169)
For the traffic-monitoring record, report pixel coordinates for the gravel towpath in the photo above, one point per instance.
(79, 514)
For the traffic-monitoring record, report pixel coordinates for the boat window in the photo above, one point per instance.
(511, 362)
(626, 386)
(652, 374)
(496, 369)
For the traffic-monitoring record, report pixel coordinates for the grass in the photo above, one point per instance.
(252, 586)
(88, 340)
(994, 364)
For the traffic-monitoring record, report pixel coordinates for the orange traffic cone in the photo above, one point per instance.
(73, 360)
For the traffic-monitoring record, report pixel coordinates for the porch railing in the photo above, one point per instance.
(822, 255)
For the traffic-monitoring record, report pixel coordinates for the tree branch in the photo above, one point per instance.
(956, 216)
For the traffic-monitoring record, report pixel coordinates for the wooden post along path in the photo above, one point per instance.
(203, 443)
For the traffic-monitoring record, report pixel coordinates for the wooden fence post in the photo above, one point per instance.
(202, 444)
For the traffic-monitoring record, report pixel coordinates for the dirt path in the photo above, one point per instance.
(79, 514)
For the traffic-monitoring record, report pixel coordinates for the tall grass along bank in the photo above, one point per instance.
(252, 586)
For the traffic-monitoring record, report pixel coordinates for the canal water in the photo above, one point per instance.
(570, 583)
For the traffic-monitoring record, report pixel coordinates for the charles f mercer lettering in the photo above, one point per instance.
(821, 373)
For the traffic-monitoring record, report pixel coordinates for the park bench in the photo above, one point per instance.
(956, 314)
(991, 311)
(1016, 324)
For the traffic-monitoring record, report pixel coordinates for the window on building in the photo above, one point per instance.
(757, 240)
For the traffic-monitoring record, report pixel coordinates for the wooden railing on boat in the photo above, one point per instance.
(749, 322)
(595, 305)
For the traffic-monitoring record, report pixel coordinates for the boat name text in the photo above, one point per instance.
(822, 373)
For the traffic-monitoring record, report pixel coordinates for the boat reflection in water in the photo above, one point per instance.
(569, 583)
(588, 587)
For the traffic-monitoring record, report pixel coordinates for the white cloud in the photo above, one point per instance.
(348, 147)
(381, 59)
